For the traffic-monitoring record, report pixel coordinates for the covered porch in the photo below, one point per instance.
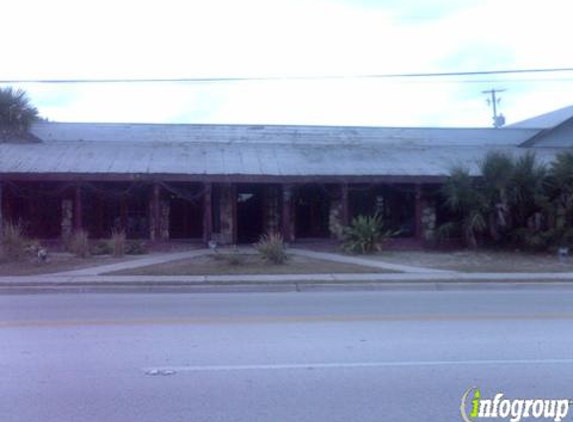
(227, 212)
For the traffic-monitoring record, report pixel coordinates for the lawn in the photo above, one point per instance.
(478, 261)
(57, 262)
(251, 264)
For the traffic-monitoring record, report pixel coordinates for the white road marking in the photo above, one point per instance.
(343, 365)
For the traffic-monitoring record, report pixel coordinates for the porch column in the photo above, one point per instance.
(78, 225)
(1, 215)
(344, 217)
(154, 207)
(207, 213)
(235, 222)
(286, 213)
(123, 213)
(418, 212)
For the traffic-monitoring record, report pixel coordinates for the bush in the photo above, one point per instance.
(101, 247)
(365, 235)
(540, 241)
(79, 244)
(13, 244)
(272, 248)
(117, 243)
(135, 247)
(233, 258)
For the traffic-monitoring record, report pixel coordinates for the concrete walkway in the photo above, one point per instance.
(345, 259)
(143, 261)
(411, 276)
(168, 257)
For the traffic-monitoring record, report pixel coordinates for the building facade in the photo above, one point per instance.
(233, 183)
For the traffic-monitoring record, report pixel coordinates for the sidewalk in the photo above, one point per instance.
(410, 277)
(142, 261)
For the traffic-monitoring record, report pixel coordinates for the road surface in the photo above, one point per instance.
(278, 357)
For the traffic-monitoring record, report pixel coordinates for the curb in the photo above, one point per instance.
(276, 287)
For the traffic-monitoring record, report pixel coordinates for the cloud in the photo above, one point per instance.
(128, 39)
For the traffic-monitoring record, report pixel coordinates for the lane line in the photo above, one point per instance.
(284, 319)
(344, 365)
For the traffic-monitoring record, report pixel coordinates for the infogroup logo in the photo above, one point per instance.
(474, 407)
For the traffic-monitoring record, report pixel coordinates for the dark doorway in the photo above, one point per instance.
(312, 208)
(185, 219)
(185, 210)
(249, 213)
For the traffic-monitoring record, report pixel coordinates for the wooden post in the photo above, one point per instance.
(344, 218)
(155, 229)
(234, 222)
(78, 225)
(418, 212)
(1, 215)
(123, 213)
(286, 212)
(207, 213)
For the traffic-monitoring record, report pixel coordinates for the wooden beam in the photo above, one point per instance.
(286, 217)
(78, 224)
(123, 209)
(155, 229)
(220, 178)
(418, 212)
(207, 213)
(234, 218)
(344, 199)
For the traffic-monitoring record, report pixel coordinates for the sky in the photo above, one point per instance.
(110, 39)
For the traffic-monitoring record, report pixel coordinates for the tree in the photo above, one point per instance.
(464, 200)
(508, 193)
(527, 194)
(16, 115)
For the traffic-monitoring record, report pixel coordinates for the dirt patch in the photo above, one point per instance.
(252, 264)
(57, 262)
(478, 261)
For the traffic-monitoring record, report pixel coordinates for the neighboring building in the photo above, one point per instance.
(231, 183)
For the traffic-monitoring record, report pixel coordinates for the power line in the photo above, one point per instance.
(283, 78)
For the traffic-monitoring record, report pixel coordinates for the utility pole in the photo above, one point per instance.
(498, 119)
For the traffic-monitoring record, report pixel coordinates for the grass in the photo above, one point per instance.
(478, 261)
(252, 264)
(57, 262)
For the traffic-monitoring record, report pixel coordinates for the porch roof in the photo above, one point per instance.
(255, 150)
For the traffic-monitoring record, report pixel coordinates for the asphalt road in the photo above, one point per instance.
(278, 357)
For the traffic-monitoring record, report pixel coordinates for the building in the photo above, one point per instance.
(232, 183)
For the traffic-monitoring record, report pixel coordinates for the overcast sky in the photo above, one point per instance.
(59, 39)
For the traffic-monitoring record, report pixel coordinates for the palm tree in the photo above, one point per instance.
(496, 173)
(464, 200)
(527, 193)
(560, 187)
(482, 203)
(16, 115)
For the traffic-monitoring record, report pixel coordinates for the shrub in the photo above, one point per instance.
(272, 248)
(101, 247)
(117, 243)
(135, 247)
(542, 240)
(233, 258)
(79, 244)
(13, 244)
(365, 235)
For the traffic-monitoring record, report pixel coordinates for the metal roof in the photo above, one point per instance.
(545, 121)
(83, 148)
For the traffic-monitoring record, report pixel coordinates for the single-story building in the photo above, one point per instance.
(232, 183)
